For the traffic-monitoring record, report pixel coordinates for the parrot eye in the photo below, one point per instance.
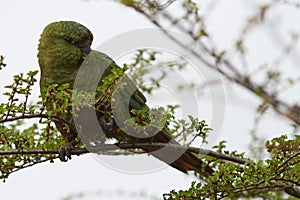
(69, 40)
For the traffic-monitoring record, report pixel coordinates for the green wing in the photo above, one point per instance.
(97, 65)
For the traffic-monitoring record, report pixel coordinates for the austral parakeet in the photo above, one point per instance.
(64, 46)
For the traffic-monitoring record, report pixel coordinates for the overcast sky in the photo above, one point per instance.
(21, 25)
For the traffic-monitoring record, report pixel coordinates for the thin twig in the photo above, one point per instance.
(229, 70)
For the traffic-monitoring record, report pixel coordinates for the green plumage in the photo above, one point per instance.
(65, 57)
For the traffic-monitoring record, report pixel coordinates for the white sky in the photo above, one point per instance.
(21, 24)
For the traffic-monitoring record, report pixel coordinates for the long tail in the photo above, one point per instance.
(181, 159)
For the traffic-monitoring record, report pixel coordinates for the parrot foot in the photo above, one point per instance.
(107, 126)
(64, 152)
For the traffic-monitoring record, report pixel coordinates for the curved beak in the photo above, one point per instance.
(85, 50)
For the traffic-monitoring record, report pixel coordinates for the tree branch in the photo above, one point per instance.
(113, 147)
(224, 66)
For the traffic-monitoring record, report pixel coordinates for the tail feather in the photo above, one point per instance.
(181, 159)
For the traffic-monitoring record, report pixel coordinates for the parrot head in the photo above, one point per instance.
(62, 48)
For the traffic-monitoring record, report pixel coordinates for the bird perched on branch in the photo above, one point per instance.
(65, 57)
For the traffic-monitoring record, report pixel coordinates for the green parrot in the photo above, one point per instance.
(63, 53)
